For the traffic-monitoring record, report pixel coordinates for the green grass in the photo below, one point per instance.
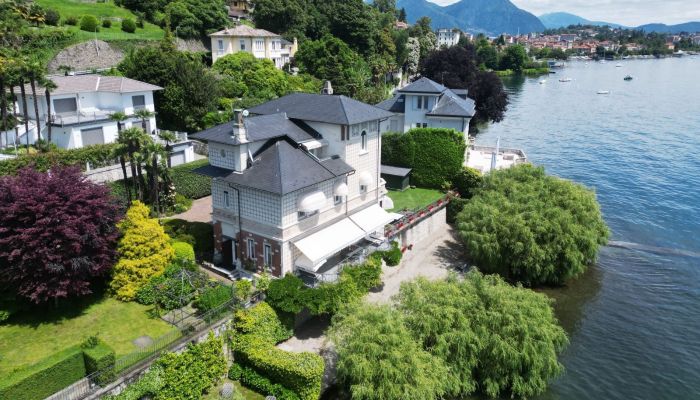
(247, 393)
(108, 9)
(414, 198)
(32, 335)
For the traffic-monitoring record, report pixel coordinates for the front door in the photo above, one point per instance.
(227, 253)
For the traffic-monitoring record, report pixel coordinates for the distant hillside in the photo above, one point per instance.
(663, 28)
(491, 17)
(562, 20)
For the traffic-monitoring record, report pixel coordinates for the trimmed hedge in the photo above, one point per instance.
(183, 251)
(99, 155)
(46, 377)
(188, 183)
(199, 234)
(89, 23)
(253, 380)
(262, 320)
(101, 357)
(436, 155)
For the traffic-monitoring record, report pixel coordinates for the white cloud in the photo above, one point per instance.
(626, 12)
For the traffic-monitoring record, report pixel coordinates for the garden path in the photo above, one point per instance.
(200, 211)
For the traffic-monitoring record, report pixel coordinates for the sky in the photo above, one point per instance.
(625, 12)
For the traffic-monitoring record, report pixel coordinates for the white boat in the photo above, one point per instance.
(543, 81)
(603, 92)
(618, 66)
(565, 80)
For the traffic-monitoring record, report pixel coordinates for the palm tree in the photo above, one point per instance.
(21, 68)
(133, 139)
(34, 70)
(119, 117)
(3, 99)
(120, 151)
(49, 85)
(168, 137)
(144, 114)
(152, 152)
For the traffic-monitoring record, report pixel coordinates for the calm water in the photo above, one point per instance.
(634, 320)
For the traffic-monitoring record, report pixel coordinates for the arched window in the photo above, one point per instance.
(364, 140)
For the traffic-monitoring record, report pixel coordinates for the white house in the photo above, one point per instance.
(448, 37)
(259, 42)
(428, 104)
(297, 185)
(81, 106)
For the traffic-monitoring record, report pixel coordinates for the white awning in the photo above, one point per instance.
(341, 189)
(312, 202)
(314, 144)
(326, 242)
(366, 179)
(373, 218)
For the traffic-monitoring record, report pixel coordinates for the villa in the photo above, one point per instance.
(296, 185)
(259, 42)
(240, 9)
(448, 37)
(428, 104)
(81, 106)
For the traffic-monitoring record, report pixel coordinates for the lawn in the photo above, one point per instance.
(26, 339)
(414, 198)
(108, 9)
(247, 393)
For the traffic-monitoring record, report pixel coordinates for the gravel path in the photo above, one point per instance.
(200, 211)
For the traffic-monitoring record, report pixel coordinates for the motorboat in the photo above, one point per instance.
(603, 92)
(543, 81)
(618, 66)
(628, 78)
(565, 80)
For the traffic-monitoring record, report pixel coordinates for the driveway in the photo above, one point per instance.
(200, 211)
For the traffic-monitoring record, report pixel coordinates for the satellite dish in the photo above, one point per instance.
(246, 113)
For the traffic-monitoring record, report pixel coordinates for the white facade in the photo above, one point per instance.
(448, 37)
(260, 43)
(417, 108)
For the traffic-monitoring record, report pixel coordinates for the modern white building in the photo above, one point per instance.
(297, 185)
(448, 37)
(428, 104)
(81, 106)
(259, 42)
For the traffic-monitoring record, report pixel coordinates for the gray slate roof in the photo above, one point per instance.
(423, 85)
(338, 110)
(395, 104)
(95, 83)
(283, 169)
(244, 31)
(451, 105)
(263, 127)
(395, 171)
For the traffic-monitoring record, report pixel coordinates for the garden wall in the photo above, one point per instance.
(423, 230)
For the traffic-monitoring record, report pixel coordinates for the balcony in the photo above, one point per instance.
(79, 117)
(331, 269)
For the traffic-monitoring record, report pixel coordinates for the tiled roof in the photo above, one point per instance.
(395, 104)
(423, 85)
(282, 169)
(245, 31)
(339, 110)
(96, 83)
(395, 171)
(258, 128)
(451, 105)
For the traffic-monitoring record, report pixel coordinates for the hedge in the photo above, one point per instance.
(263, 321)
(213, 297)
(99, 155)
(199, 234)
(436, 155)
(101, 357)
(183, 250)
(46, 377)
(253, 380)
(148, 385)
(191, 184)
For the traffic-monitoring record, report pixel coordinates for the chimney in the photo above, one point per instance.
(239, 133)
(327, 88)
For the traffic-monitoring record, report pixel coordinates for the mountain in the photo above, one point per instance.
(491, 17)
(663, 28)
(563, 19)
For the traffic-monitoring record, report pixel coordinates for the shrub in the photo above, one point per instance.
(71, 20)
(454, 207)
(393, 256)
(189, 374)
(174, 288)
(182, 204)
(128, 25)
(4, 315)
(100, 357)
(99, 155)
(89, 23)
(52, 17)
(261, 320)
(244, 288)
(253, 380)
(107, 23)
(45, 377)
(263, 282)
(148, 385)
(287, 294)
(183, 251)
(532, 228)
(467, 181)
(189, 183)
(144, 252)
(213, 297)
(58, 234)
(198, 234)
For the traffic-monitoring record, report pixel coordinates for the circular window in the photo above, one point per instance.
(223, 153)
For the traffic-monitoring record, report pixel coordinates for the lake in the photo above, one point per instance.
(634, 319)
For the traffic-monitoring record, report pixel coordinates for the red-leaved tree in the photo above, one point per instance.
(58, 234)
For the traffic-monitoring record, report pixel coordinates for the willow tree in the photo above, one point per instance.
(496, 339)
(532, 228)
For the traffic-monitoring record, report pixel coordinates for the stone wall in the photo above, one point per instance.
(93, 54)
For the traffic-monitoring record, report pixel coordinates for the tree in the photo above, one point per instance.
(168, 137)
(514, 58)
(494, 338)
(144, 252)
(532, 228)
(456, 67)
(133, 139)
(34, 70)
(57, 234)
(402, 15)
(196, 18)
(49, 86)
(378, 358)
(144, 114)
(282, 16)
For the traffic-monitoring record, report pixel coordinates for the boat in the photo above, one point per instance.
(603, 92)
(565, 80)
(628, 78)
(618, 66)
(543, 81)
